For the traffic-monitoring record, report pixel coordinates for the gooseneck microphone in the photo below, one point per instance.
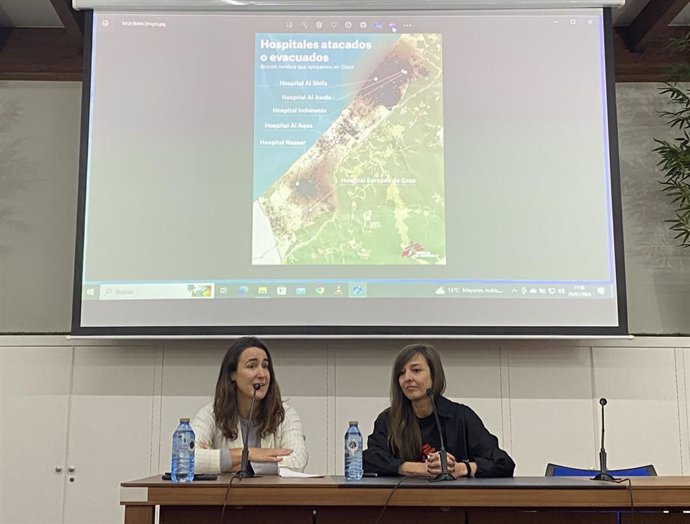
(603, 471)
(444, 475)
(246, 470)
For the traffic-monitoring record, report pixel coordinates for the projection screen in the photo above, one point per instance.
(331, 173)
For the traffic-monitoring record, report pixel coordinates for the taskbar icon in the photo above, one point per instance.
(290, 290)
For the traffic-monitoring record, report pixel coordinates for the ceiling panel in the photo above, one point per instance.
(28, 13)
(624, 15)
(683, 17)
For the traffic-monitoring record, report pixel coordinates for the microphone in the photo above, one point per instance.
(246, 470)
(603, 471)
(444, 475)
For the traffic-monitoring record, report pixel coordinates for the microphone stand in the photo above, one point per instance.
(444, 475)
(246, 470)
(603, 471)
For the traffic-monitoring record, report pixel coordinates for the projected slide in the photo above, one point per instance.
(337, 172)
(348, 150)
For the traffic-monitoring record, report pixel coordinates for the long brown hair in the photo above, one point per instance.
(270, 410)
(404, 437)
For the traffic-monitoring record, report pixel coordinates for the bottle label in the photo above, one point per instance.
(352, 446)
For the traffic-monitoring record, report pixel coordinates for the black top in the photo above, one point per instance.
(464, 435)
(431, 442)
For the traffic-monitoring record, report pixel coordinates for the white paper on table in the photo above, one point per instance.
(288, 473)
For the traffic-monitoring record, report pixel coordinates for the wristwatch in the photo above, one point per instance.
(469, 468)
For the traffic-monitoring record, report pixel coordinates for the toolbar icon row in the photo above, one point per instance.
(348, 24)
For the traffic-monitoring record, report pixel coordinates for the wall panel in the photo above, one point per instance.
(551, 409)
(110, 429)
(642, 416)
(34, 396)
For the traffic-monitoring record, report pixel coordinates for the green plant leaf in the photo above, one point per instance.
(674, 154)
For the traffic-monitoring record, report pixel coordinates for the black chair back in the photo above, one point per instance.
(556, 470)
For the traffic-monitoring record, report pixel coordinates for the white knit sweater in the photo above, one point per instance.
(288, 435)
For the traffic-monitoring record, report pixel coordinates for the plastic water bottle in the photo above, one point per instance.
(182, 469)
(353, 452)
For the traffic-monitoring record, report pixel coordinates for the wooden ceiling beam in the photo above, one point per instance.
(71, 19)
(39, 54)
(652, 64)
(4, 33)
(650, 22)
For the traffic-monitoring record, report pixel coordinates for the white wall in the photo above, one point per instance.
(109, 408)
(39, 152)
(658, 272)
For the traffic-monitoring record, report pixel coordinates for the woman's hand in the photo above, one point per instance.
(455, 469)
(268, 454)
(414, 469)
(257, 455)
(434, 465)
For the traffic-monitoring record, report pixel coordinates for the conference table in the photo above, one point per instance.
(331, 500)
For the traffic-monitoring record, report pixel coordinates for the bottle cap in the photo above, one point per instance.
(184, 421)
(353, 423)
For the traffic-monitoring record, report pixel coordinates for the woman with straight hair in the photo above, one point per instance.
(275, 439)
(406, 438)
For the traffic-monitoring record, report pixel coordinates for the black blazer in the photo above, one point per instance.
(465, 437)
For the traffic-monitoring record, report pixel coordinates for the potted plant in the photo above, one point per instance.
(675, 153)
